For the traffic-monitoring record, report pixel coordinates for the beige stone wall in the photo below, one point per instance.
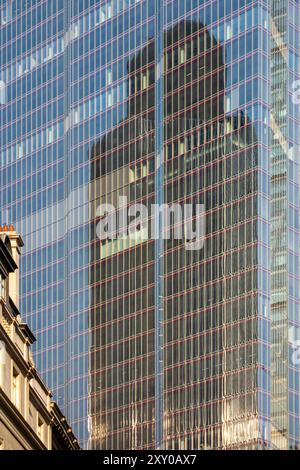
(26, 410)
(8, 436)
(5, 372)
(33, 417)
(34, 400)
(8, 441)
(6, 378)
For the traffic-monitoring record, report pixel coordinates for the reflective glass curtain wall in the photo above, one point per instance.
(32, 171)
(214, 311)
(284, 143)
(144, 342)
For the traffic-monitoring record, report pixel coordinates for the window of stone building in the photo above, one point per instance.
(15, 388)
(2, 286)
(40, 428)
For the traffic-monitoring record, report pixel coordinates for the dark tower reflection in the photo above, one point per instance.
(205, 332)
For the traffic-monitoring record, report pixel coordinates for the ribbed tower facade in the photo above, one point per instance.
(147, 341)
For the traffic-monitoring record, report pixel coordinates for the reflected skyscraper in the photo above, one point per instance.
(145, 342)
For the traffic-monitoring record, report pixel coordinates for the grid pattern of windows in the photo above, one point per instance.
(122, 403)
(212, 323)
(215, 335)
(285, 224)
(80, 126)
(32, 168)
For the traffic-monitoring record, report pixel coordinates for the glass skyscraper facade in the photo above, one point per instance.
(146, 343)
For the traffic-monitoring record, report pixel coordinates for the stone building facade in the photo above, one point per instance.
(29, 419)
